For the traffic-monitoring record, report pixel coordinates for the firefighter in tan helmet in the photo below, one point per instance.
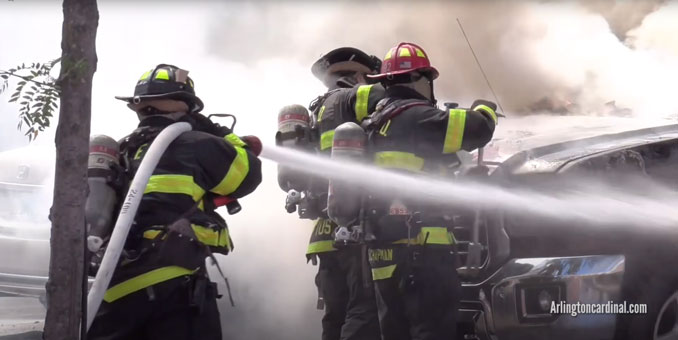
(350, 307)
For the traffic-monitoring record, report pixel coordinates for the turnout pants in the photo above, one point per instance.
(418, 298)
(350, 308)
(169, 310)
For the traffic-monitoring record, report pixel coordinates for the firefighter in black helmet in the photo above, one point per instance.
(350, 308)
(160, 289)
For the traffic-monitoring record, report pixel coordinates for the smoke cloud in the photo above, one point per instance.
(623, 16)
(577, 55)
(259, 55)
(573, 56)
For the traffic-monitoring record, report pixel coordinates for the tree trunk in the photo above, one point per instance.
(66, 267)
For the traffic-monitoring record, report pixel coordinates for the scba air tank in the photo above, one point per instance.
(293, 132)
(344, 197)
(102, 198)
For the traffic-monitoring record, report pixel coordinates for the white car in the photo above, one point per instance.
(25, 198)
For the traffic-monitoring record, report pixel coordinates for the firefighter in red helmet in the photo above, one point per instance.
(412, 260)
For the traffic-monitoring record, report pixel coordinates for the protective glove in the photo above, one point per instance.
(253, 143)
(489, 104)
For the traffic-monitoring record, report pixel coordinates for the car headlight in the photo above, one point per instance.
(535, 300)
(545, 299)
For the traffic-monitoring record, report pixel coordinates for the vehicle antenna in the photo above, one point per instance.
(480, 66)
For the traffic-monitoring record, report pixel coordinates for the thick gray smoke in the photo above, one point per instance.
(569, 52)
(623, 16)
(272, 285)
(554, 56)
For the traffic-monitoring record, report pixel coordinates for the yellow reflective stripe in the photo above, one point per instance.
(211, 237)
(151, 234)
(389, 54)
(234, 140)
(174, 184)
(320, 247)
(145, 75)
(363, 98)
(162, 74)
(384, 128)
(488, 110)
(208, 236)
(140, 150)
(326, 139)
(145, 280)
(420, 53)
(320, 114)
(404, 52)
(436, 235)
(455, 130)
(399, 160)
(383, 272)
(235, 175)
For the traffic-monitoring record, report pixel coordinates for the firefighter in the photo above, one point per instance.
(412, 259)
(350, 308)
(160, 289)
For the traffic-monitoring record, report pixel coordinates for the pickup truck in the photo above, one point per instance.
(514, 268)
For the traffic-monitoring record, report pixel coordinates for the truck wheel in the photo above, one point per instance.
(666, 323)
(661, 320)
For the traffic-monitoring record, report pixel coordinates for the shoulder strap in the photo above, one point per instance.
(132, 142)
(388, 109)
(139, 137)
(315, 105)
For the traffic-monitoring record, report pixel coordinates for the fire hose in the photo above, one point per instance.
(126, 217)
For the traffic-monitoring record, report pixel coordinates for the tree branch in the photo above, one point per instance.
(53, 85)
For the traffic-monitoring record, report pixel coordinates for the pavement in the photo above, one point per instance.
(21, 318)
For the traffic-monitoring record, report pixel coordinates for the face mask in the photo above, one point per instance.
(344, 79)
(423, 86)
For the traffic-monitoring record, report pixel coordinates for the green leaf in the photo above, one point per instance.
(4, 76)
(13, 99)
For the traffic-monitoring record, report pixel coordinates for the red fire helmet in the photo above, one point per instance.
(405, 58)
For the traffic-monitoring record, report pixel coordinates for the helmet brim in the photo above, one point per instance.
(343, 54)
(179, 95)
(430, 70)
